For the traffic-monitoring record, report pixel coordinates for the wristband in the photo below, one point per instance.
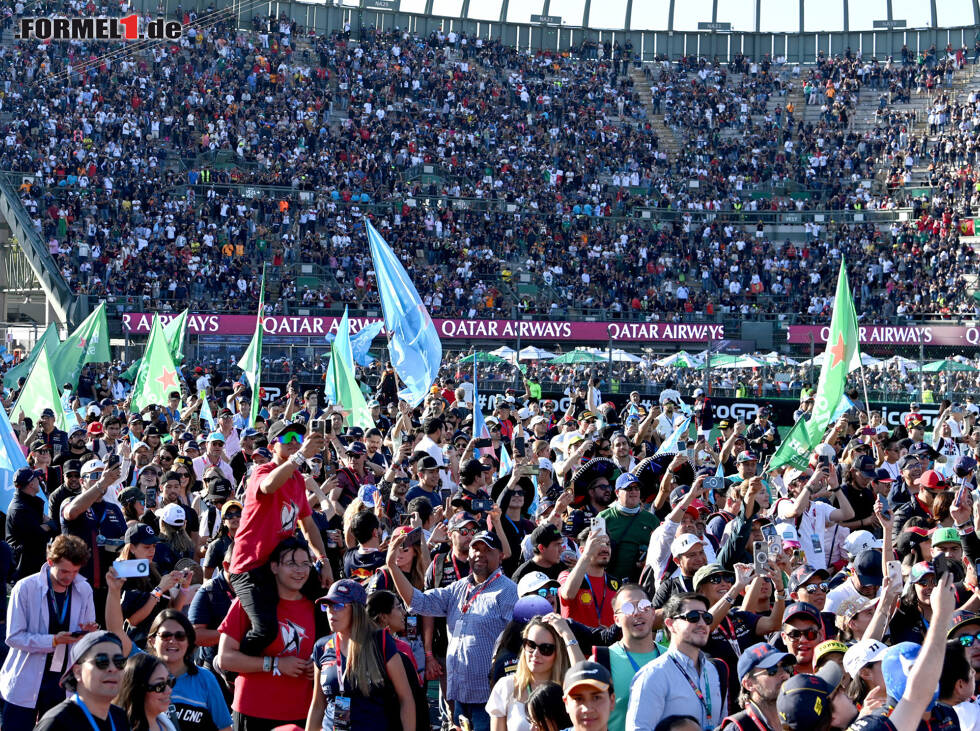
(298, 459)
(157, 592)
(729, 599)
(429, 654)
(571, 643)
(275, 667)
(267, 664)
(965, 530)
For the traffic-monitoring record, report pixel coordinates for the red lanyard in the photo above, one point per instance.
(472, 598)
(595, 600)
(336, 660)
(455, 567)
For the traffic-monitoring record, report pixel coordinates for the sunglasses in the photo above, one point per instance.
(629, 608)
(720, 578)
(94, 475)
(160, 687)
(544, 648)
(466, 531)
(694, 616)
(232, 515)
(336, 606)
(179, 635)
(810, 633)
(547, 591)
(102, 660)
(822, 586)
(290, 438)
(968, 640)
(776, 669)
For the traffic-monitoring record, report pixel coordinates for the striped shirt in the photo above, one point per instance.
(488, 606)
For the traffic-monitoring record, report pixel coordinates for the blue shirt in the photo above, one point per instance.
(666, 687)
(200, 703)
(472, 633)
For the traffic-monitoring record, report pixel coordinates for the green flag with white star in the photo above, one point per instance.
(175, 332)
(89, 343)
(48, 342)
(157, 375)
(841, 357)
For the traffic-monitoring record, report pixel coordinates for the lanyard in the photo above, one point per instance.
(729, 634)
(341, 667)
(595, 600)
(629, 656)
(455, 566)
(472, 598)
(88, 714)
(705, 700)
(63, 614)
(759, 721)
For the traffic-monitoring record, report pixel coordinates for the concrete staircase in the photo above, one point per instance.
(669, 142)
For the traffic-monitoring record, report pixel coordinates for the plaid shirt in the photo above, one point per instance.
(473, 633)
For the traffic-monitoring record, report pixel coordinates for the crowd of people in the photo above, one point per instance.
(300, 571)
(132, 175)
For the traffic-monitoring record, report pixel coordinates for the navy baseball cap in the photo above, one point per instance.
(804, 700)
(343, 592)
(24, 476)
(803, 608)
(883, 475)
(867, 566)
(964, 465)
(866, 466)
(760, 656)
(141, 533)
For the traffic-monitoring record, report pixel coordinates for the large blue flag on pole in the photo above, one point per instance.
(480, 430)
(416, 352)
(11, 460)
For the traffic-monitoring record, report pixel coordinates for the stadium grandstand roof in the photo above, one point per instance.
(768, 16)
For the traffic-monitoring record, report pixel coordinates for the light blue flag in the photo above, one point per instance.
(480, 430)
(360, 342)
(206, 412)
(413, 342)
(844, 405)
(506, 465)
(670, 444)
(11, 460)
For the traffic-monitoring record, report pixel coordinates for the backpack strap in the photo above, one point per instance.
(722, 667)
(737, 721)
(601, 655)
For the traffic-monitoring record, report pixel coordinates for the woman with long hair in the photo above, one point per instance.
(144, 693)
(231, 518)
(144, 597)
(174, 540)
(545, 657)
(358, 673)
(546, 708)
(914, 613)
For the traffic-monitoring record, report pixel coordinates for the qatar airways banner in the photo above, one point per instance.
(313, 326)
(954, 335)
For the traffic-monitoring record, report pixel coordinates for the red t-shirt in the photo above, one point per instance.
(296, 636)
(593, 605)
(267, 519)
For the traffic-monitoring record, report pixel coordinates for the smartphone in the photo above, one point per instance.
(886, 511)
(532, 469)
(445, 493)
(681, 445)
(414, 537)
(599, 524)
(483, 443)
(112, 461)
(760, 557)
(407, 439)
(481, 506)
(318, 426)
(519, 446)
(411, 627)
(824, 461)
(151, 497)
(775, 547)
(960, 496)
(768, 530)
(132, 569)
(895, 572)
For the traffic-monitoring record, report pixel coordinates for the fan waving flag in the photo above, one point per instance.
(480, 430)
(413, 341)
(345, 387)
(794, 450)
(49, 342)
(841, 357)
(11, 459)
(251, 362)
(206, 411)
(88, 344)
(670, 444)
(157, 376)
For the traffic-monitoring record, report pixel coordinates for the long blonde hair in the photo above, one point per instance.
(523, 677)
(363, 663)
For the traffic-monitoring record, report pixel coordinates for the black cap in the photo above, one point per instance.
(587, 673)
(39, 445)
(867, 566)
(428, 463)
(73, 466)
(219, 488)
(131, 495)
(282, 427)
(544, 535)
(80, 648)
(141, 533)
(804, 700)
(489, 539)
(472, 468)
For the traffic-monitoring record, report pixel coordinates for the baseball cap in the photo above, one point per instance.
(908, 461)
(536, 420)
(281, 427)
(141, 533)
(40, 446)
(220, 488)
(94, 428)
(460, 519)
(81, 648)
(724, 424)
(760, 656)
(75, 429)
(961, 618)
(586, 673)
(883, 475)
(530, 606)
(708, 570)
(805, 609)
(263, 452)
(945, 535)
(826, 647)
(73, 466)
(216, 436)
(93, 465)
(747, 456)
(803, 576)
(867, 567)
(172, 514)
(343, 592)
(920, 571)
(231, 505)
(428, 462)
(861, 654)
(804, 700)
(130, 495)
(474, 467)
(24, 476)
(627, 481)
(249, 432)
(866, 466)
(47, 412)
(932, 480)
(858, 541)
(545, 534)
(532, 581)
(488, 538)
(684, 543)
(357, 448)
(964, 465)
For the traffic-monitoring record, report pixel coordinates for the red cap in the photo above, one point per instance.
(932, 480)
(94, 428)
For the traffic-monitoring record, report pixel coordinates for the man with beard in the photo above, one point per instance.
(76, 447)
(762, 670)
(683, 681)
(592, 484)
(587, 592)
(71, 487)
(635, 616)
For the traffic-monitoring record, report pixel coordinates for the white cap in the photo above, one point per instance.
(825, 450)
(859, 655)
(793, 474)
(684, 543)
(93, 409)
(536, 420)
(858, 541)
(172, 514)
(93, 465)
(545, 464)
(531, 582)
(524, 413)
(698, 392)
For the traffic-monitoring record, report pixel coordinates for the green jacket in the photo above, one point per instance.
(629, 536)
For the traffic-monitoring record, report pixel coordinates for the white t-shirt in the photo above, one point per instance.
(811, 530)
(840, 594)
(502, 704)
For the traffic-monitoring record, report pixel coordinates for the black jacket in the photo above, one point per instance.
(27, 532)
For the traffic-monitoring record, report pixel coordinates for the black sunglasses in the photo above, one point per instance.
(179, 635)
(776, 669)
(719, 578)
(102, 660)
(170, 682)
(544, 648)
(810, 633)
(694, 615)
(822, 586)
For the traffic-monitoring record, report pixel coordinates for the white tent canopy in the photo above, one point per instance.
(532, 353)
(866, 360)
